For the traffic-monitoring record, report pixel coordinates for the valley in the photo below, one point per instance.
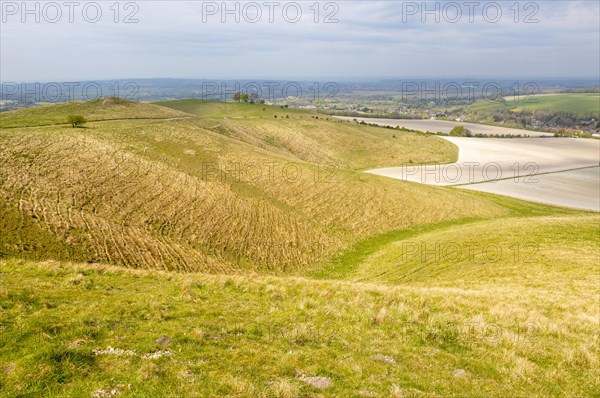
(219, 249)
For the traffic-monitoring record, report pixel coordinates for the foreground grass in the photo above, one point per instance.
(257, 336)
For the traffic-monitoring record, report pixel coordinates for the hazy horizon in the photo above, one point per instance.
(350, 79)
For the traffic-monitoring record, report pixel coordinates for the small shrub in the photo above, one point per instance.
(460, 131)
(76, 120)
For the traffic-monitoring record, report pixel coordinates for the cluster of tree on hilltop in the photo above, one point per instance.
(251, 98)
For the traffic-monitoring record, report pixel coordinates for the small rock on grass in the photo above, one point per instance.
(317, 382)
(158, 354)
(460, 373)
(163, 340)
(113, 351)
(102, 393)
(383, 358)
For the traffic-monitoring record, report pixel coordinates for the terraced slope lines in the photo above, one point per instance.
(207, 194)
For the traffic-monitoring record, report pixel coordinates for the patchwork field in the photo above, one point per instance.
(580, 104)
(208, 249)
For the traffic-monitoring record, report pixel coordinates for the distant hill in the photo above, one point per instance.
(94, 110)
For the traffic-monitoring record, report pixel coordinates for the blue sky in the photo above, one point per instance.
(370, 40)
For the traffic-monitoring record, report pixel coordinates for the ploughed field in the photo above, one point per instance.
(445, 126)
(559, 171)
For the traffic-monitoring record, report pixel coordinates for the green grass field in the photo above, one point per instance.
(580, 104)
(509, 334)
(584, 104)
(210, 250)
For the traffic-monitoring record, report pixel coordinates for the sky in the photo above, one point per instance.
(298, 40)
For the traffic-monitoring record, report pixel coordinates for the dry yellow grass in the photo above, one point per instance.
(327, 140)
(175, 195)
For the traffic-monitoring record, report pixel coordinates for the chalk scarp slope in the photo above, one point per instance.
(174, 194)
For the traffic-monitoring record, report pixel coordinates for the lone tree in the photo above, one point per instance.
(460, 131)
(76, 120)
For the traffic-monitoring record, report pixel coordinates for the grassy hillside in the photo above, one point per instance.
(232, 109)
(300, 275)
(317, 138)
(187, 194)
(71, 330)
(535, 252)
(94, 110)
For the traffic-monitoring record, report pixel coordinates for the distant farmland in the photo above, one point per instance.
(583, 104)
(580, 104)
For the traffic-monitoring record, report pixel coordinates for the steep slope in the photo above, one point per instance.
(317, 138)
(172, 194)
